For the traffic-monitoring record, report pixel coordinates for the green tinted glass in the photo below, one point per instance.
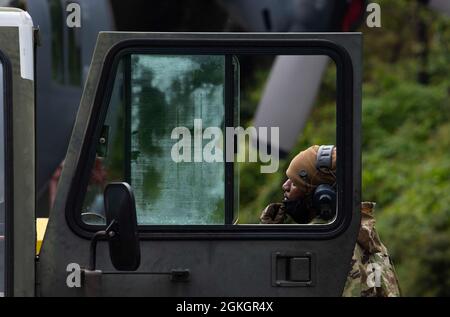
(159, 108)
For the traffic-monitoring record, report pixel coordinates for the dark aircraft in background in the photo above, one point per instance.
(64, 55)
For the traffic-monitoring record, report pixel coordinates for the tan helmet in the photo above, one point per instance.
(313, 167)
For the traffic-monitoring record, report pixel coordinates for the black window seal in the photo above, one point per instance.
(9, 174)
(229, 122)
(344, 132)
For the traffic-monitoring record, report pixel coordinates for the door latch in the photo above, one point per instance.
(293, 269)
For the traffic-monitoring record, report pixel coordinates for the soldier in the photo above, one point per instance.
(309, 198)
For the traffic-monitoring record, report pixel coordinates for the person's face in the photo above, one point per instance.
(291, 192)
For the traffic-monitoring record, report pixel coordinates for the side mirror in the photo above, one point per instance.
(123, 239)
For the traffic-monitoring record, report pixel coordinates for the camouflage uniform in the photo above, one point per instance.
(273, 214)
(372, 273)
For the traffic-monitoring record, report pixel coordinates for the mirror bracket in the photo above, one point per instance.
(107, 235)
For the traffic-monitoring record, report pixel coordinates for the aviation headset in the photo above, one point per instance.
(322, 199)
(324, 195)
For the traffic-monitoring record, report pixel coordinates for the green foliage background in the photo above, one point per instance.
(406, 144)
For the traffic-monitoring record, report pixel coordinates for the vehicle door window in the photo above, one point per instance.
(153, 138)
(165, 133)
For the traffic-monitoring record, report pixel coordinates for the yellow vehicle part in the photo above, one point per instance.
(41, 225)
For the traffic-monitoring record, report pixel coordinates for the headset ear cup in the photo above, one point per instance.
(324, 157)
(324, 201)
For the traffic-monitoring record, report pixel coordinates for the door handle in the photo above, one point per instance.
(293, 269)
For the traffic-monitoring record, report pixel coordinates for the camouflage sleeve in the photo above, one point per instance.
(353, 284)
(372, 273)
(383, 276)
(273, 214)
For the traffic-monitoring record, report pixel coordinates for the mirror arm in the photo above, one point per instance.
(106, 234)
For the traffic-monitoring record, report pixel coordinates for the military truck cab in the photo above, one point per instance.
(133, 216)
(17, 159)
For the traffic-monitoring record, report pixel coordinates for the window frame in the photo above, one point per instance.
(8, 174)
(345, 136)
